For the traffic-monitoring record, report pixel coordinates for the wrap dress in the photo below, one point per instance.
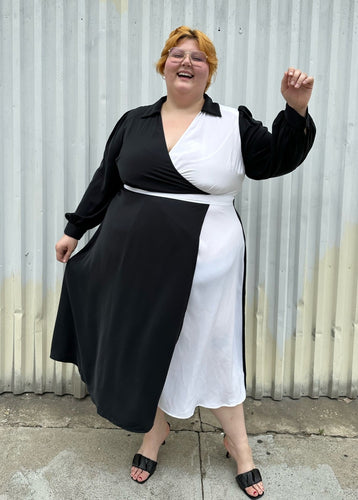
(152, 308)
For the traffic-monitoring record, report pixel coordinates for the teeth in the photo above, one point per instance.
(185, 74)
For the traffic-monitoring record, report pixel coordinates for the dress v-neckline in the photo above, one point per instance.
(183, 134)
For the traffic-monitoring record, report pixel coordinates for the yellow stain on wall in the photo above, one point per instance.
(120, 5)
(320, 355)
(28, 315)
(326, 343)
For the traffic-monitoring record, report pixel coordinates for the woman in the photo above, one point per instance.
(151, 309)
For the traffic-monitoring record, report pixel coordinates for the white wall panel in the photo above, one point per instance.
(70, 68)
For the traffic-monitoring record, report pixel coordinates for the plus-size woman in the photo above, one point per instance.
(151, 308)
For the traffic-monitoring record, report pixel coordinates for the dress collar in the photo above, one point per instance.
(209, 107)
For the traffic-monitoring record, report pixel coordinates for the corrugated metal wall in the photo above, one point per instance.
(70, 68)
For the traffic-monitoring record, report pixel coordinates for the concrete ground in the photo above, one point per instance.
(58, 448)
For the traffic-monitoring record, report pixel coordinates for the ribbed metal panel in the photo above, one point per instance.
(70, 68)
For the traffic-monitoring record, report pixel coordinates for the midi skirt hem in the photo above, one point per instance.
(100, 411)
(211, 406)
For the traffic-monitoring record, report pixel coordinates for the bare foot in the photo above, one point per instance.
(150, 446)
(241, 453)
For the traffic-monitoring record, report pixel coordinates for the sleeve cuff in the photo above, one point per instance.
(295, 119)
(74, 231)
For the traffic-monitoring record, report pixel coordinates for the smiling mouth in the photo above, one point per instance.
(183, 74)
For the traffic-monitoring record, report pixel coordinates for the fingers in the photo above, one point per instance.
(62, 253)
(64, 248)
(67, 255)
(297, 78)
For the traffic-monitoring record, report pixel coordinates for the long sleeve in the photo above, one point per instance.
(104, 185)
(268, 154)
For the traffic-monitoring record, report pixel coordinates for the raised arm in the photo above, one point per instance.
(268, 154)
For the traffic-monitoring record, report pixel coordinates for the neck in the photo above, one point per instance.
(185, 103)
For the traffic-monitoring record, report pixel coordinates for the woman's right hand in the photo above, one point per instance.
(64, 248)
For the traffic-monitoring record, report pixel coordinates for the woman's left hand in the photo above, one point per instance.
(296, 88)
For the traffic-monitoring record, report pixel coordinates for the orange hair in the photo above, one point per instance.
(204, 42)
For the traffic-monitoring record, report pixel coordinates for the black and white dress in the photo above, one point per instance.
(152, 308)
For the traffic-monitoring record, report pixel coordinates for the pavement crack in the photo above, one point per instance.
(214, 427)
(200, 456)
(303, 434)
(202, 472)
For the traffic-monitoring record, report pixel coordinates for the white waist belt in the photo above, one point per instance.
(208, 199)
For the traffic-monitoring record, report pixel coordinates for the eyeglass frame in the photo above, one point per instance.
(189, 52)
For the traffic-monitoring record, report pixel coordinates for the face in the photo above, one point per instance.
(183, 76)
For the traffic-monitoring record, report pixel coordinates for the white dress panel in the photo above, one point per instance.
(206, 368)
(207, 365)
(208, 154)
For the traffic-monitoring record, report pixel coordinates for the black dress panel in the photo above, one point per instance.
(123, 302)
(143, 161)
(125, 294)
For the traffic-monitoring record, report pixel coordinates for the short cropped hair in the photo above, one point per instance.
(204, 42)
